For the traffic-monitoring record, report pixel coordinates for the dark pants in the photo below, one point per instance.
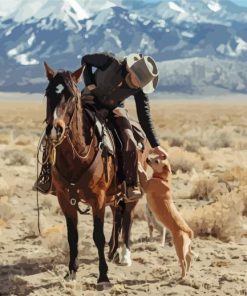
(129, 151)
(128, 155)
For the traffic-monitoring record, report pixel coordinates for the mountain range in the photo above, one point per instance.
(200, 45)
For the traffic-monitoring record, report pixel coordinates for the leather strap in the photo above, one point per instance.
(82, 183)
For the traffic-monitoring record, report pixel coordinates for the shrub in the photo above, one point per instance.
(16, 157)
(6, 212)
(183, 161)
(23, 140)
(5, 138)
(215, 139)
(236, 173)
(192, 145)
(4, 188)
(173, 139)
(204, 187)
(222, 219)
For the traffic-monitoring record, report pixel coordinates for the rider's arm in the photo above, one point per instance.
(97, 60)
(144, 117)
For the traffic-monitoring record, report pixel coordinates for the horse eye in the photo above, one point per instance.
(157, 161)
(59, 88)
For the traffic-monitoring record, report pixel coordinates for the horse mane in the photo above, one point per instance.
(53, 98)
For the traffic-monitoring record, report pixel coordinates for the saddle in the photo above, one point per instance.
(110, 142)
(107, 134)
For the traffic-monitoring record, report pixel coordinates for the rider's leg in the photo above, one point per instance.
(129, 151)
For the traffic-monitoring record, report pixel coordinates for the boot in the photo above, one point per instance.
(133, 193)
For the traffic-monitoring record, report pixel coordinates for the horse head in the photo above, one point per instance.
(63, 96)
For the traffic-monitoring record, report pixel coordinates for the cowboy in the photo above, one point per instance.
(113, 81)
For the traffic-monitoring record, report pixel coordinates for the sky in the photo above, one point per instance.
(239, 2)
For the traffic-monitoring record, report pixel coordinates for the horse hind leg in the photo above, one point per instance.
(125, 255)
(116, 229)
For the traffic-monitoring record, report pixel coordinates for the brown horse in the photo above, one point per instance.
(78, 170)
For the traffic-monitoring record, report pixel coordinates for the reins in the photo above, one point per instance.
(51, 154)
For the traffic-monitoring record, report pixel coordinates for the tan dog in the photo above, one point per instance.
(154, 224)
(159, 199)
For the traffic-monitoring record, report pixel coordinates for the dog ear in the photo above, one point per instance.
(49, 72)
(166, 165)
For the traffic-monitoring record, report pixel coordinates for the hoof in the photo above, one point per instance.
(125, 257)
(101, 286)
(70, 276)
(126, 263)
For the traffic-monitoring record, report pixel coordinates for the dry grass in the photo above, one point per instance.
(211, 137)
(7, 212)
(220, 139)
(5, 189)
(236, 173)
(221, 219)
(173, 139)
(54, 238)
(208, 187)
(23, 140)
(184, 161)
(16, 157)
(243, 190)
(50, 203)
(5, 137)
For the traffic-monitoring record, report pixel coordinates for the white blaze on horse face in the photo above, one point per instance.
(53, 131)
(59, 88)
(55, 116)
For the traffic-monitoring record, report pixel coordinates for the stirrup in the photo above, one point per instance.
(43, 184)
(133, 193)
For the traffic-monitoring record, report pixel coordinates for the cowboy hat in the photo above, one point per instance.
(145, 70)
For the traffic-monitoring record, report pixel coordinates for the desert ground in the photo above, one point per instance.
(207, 145)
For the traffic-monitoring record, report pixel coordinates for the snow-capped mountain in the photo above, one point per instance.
(62, 31)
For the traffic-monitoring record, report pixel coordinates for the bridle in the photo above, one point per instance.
(54, 143)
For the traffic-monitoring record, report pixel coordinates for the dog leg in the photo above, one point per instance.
(179, 246)
(142, 177)
(188, 259)
(163, 237)
(150, 222)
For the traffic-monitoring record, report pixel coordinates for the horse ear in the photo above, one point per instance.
(77, 74)
(49, 72)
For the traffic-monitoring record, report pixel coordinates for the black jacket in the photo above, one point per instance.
(111, 88)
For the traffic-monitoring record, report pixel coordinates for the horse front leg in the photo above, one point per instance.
(73, 246)
(99, 240)
(71, 217)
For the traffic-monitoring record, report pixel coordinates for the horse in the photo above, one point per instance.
(79, 169)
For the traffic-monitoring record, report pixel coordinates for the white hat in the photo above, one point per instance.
(145, 70)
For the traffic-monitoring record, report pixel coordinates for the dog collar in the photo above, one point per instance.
(159, 177)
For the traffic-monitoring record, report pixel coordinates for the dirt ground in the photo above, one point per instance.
(207, 146)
